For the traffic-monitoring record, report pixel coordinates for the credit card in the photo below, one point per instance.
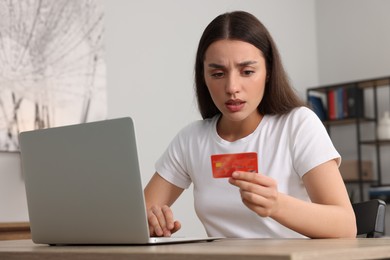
(223, 165)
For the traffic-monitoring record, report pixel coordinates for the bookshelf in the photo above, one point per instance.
(347, 104)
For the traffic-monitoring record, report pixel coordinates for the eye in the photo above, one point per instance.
(248, 72)
(217, 75)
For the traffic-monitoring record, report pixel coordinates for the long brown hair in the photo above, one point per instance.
(279, 96)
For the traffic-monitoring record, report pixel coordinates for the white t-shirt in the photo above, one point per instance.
(288, 146)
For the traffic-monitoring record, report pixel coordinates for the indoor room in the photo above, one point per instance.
(141, 65)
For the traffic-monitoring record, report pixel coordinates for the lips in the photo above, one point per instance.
(235, 105)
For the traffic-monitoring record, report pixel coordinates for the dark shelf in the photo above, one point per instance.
(348, 121)
(343, 92)
(375, 142)
(367, 83)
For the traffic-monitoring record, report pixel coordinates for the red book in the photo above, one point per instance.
(331, 105)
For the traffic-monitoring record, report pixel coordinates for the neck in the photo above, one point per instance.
(234, 130)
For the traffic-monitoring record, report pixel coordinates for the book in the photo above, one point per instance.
(381, 192)
(317, 106)
(331, 105)
(355, 100)
(345, 103)
(339, 103)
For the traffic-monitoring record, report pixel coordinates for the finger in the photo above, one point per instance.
(264, 206)
(151, 230)
(177, 226)
(154, 225)
(158, 221)
(168, 216)
(259, 210)
(246, 185)
(240, 177)
(253, 198)
(158, 212)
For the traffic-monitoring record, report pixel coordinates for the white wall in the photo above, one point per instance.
(353, 39)
(13, 206)
(151, 48)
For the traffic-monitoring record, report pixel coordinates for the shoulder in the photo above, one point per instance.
(303, 123)
(298, 116)
(302, 113)
(304, 118)
(299, 121)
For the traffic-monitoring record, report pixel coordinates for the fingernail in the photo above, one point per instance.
(158, 231)
(167, 233)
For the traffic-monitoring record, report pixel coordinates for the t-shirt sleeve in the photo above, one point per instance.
(311, 143)
(172, 164)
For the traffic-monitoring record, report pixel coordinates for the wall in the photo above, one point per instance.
(13, 206)
(353, 39)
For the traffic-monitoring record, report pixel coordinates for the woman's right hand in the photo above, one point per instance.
(160, 218)
(161, 221)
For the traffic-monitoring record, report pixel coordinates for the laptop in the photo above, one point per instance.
(83, 185)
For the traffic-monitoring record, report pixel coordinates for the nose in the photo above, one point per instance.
(232, 84)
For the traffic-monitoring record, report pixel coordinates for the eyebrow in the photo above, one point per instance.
(241, 64)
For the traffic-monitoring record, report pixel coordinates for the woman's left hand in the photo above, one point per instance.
(258, 192)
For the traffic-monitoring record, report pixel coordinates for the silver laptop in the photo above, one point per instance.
(83, 185)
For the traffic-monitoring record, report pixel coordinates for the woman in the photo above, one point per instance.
(247, 105)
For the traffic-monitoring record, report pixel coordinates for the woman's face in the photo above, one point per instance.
(235, 74)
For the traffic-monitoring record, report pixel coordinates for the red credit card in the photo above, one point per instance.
(223, 165)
